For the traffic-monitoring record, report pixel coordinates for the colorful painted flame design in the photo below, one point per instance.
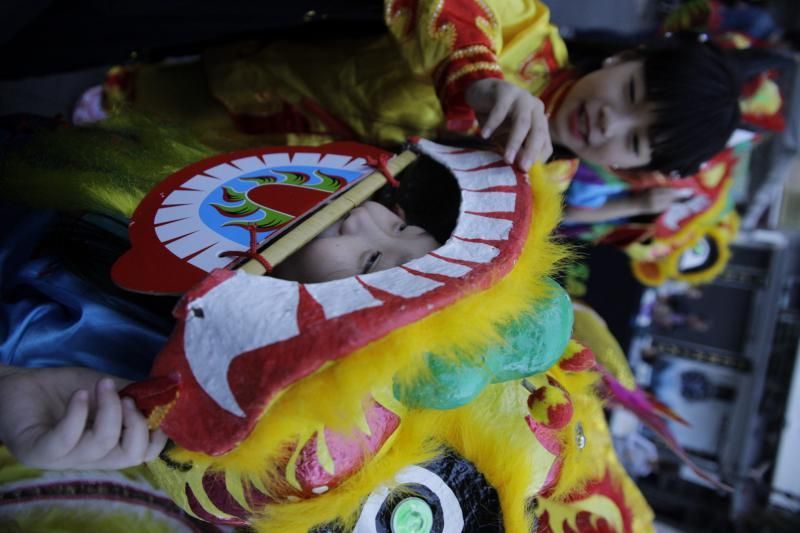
(485, 244)
(278, 202)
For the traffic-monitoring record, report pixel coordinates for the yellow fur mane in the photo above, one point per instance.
(501, 446)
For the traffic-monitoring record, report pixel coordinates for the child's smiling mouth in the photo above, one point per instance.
(579, 123)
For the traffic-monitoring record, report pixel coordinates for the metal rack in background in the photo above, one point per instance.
(754, 344)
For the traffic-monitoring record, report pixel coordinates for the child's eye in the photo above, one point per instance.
(635, 143)
(372, 260)
(632, 91)
(401, 227)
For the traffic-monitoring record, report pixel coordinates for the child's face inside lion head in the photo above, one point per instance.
(370, 238)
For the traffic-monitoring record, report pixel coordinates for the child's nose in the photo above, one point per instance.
(613, 122)
(354, 222)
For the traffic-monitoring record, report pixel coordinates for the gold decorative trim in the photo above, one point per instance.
(469, 69)
(474, 50)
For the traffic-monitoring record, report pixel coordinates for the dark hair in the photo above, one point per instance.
(428, 195)
(694, 90)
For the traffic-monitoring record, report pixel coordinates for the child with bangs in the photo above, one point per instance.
(496, 68)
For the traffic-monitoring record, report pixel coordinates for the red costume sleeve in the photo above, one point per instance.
(453, 42)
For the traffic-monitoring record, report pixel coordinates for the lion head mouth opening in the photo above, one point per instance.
(243, 339)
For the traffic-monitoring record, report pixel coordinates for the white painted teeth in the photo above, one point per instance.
(201, 183)
(473, 252)
(249, 164)
(341, 296)
(488, 202)
(400, 282)
(226, 329)
(458, 158)
(225, 171)
(486, 179)
(482, 227)
(430, 264)
(178, 222)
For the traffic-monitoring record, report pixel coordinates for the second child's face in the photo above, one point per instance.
(604, 118)
(369, 239)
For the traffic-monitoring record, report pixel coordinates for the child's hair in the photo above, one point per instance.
(694, 90)
(428, 195)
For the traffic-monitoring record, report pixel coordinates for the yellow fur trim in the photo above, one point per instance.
(709, 274)
(334, 396)
(490, 432)
(667, 268)
(580, 464)
(552, 397)
(592, 331)
(706, 218)
(654, 273)
(500, 444)
(598, 439)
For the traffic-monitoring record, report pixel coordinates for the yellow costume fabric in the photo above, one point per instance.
(378, 90)
(36, 501)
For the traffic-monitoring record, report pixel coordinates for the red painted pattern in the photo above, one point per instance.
(585, 521)
(196, 422)
(348, 452)
(410, 7)
(578, 362)
(149, 266)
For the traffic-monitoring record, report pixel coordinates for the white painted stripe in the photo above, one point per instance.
(209, 259)
(224, 171)
(334, 160)
(168, 214)
(202, 183)
(275, 160)
(465, 160)
(173, 230)
(479, 180)
(249, 164)
(400, 282)
(430, 147)
(474, 252)
(452, 514)
(480, 227)
(359, 164)
(429, 264)
(202, 238)
(226, 328)
(303, 158)
(342, 296)
(184, 197)
(488, 202)
(369, 511)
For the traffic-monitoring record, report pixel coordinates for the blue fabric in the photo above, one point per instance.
(592, 188)
(754, 21)
(593, 194)
(50, 317)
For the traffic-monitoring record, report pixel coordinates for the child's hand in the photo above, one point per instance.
(73, 418)
(515, 117)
